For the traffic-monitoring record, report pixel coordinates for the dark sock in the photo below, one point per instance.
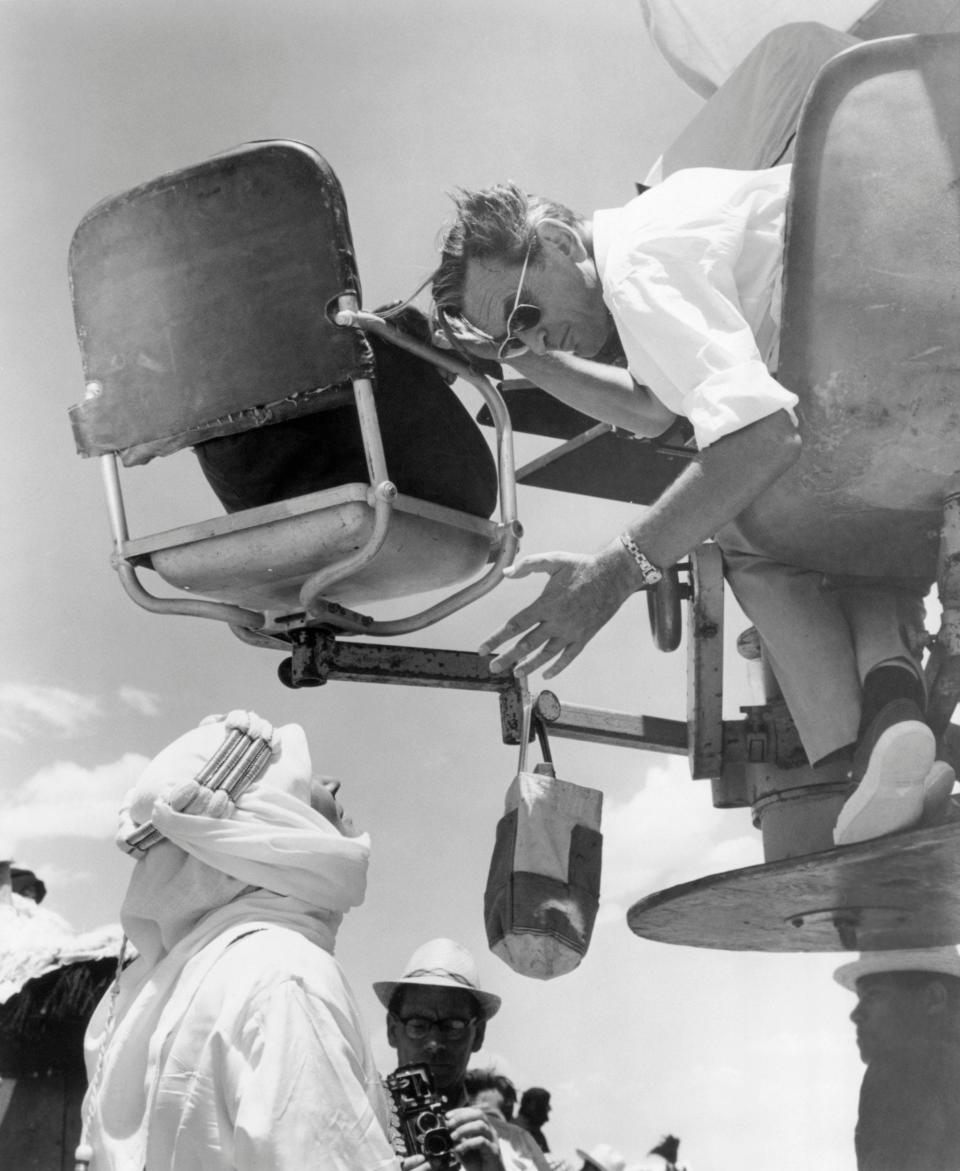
(885, 684)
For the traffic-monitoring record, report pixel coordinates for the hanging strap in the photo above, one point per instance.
(530, 723)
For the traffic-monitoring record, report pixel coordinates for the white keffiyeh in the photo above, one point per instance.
(271, 861)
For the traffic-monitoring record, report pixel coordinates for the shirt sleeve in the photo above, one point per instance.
(518, 1149)
(682, 325)
(304, 1095)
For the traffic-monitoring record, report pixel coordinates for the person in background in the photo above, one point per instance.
(508, 1095)
(602, 1157)
(907, 1018)
(534, 1112)
(668, 1148)
(518, 1148)
(233, 1041)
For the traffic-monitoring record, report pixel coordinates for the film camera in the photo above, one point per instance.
(420, 1115)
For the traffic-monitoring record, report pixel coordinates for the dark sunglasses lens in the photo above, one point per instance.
(524, 317)
(511, 347)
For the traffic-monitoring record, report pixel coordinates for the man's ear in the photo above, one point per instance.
(557, 236)
(393, 1029)
(478, 1035)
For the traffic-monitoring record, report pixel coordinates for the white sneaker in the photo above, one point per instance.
(890, 796)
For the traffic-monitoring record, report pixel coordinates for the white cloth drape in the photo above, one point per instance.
(704, 41)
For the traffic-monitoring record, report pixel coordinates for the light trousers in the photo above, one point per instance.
(822, 635)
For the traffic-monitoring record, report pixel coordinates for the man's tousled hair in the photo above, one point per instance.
(497, 223)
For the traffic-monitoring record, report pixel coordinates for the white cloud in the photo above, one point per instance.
(69, 800)
(31, 709)
(665, 833)
(146, 703)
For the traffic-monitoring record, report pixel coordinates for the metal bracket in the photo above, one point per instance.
(318, 657)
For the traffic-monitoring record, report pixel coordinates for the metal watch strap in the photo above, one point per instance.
(648, 571)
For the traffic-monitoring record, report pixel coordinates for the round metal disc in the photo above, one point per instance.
(899, 891)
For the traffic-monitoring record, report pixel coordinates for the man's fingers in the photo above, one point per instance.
(573, 649)
(527, 645)
(520, 622)
(544, 655)
(537, 563)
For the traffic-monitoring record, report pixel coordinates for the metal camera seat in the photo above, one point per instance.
(222, 298)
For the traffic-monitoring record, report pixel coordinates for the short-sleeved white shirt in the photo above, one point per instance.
(691, 273)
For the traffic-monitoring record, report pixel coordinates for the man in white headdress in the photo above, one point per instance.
(233, 1042)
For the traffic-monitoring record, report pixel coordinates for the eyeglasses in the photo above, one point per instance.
(418, 1028)
(520, 318)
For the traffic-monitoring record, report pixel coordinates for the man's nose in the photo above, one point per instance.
(535, 339)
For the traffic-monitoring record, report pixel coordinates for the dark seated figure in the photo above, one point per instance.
(434, 449)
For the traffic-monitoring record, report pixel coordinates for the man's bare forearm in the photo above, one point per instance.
(725, 478)
(607, 393)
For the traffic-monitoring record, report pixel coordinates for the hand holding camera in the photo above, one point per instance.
(437, 1138)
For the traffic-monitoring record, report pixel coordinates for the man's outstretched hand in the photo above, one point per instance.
(583, 593)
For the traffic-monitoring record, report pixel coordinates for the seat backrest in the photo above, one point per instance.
(870, 339)
(201, 300)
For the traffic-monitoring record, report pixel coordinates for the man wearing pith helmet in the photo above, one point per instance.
(908, 1033)
(437, 1015)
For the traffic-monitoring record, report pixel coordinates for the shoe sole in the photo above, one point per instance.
(890, 796)
(937, 788)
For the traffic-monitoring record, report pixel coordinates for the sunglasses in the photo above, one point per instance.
(418, 1028)
(520, 318)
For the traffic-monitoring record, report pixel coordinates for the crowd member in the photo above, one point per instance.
(508, 1095)
(533, 1114)
(483, 1089)
(668, 1148)
(908, 1032)
(687, 277)
(602, 1157)
(233, 1041)
(437, 1016)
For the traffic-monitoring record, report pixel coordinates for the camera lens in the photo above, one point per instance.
(435, 1143)
(426, 1120)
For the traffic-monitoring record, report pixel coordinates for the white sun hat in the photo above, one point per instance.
(603, 1157)
(441, 963)
(943, 960)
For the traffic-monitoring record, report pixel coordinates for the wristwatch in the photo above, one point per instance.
(649, 573)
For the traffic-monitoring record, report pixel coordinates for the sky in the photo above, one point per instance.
(750, 1059)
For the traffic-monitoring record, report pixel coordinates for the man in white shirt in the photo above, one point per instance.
(233, 1041)
(687, 277)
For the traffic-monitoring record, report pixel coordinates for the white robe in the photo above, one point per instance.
(235, 1043)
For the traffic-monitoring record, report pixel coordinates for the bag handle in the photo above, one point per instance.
(532, 722)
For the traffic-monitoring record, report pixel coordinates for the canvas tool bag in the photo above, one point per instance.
(544, 882)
